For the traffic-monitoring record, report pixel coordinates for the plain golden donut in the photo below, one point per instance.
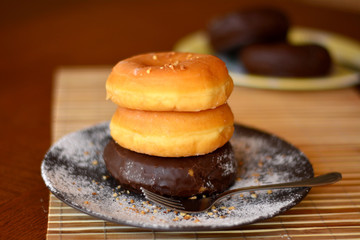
(172, 134)
(169, 81)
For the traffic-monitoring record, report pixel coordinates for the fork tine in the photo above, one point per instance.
(160, 197)
(167, 202)
(161, 200)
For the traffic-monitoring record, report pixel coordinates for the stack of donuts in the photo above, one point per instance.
(258, 38)
(171, 130)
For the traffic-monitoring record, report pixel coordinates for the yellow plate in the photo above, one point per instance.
(345, 52)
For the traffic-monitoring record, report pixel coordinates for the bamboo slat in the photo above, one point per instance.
(325, 125)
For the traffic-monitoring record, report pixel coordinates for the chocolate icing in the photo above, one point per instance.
(235, 30)
(179, 177)
(307, 60)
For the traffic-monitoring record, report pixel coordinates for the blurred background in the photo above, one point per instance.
(39, 36)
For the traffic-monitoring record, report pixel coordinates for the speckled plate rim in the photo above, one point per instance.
(301, 192)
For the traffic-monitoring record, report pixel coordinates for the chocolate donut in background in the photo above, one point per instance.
(286, 60)
(178, 177)
(235, 30)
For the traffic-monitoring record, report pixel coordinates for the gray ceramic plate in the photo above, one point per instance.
(74, 171)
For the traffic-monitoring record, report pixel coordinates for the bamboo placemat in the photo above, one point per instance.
(325, 125)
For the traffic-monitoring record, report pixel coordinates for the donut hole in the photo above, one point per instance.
(164, 60)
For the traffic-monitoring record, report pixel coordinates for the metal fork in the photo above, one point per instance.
(203, 204)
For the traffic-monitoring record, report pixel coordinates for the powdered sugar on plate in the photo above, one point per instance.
(74, 171)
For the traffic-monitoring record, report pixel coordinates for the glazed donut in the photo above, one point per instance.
(172, 134)
(169, 81)
(307, 60)
(235, 30)
(206, 174)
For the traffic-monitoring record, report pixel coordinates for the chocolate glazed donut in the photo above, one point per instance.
(307, 60)
(178, 177)
(233, 31)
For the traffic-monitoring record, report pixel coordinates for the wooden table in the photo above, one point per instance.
(37, 38)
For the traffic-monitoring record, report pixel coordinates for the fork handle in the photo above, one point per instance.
(328, 178)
